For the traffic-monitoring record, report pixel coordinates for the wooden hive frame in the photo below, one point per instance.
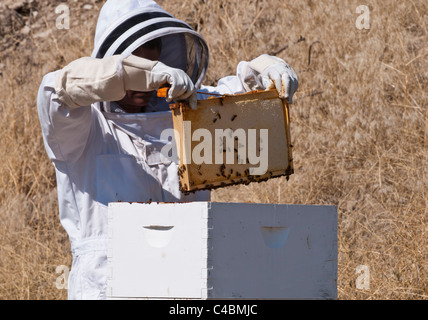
(254, 110)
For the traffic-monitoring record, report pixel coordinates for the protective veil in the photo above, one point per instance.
(102, 154)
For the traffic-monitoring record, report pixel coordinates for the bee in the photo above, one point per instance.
(217, 114)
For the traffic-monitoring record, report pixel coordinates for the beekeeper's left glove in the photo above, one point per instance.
(276, 73)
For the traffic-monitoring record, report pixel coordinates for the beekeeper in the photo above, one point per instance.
(102, 122)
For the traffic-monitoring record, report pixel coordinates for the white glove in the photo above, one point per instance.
(276, 73)
(182, 86)
(89, 80)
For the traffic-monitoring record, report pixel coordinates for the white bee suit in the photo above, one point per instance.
(102, 154)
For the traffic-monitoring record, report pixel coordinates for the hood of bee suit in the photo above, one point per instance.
(125, 25)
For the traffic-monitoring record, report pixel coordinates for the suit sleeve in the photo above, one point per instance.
(65, 128)
(245, 80)
(65, 98)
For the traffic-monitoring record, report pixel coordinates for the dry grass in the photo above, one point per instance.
(359, 127)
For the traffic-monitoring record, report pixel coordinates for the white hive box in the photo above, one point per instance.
(207, 250)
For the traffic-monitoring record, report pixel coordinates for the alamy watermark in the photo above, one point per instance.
(363, 280)
(61, 282)
(63, 20)
(363, 20)
(227, 146)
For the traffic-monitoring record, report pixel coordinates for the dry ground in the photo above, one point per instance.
(359, 129)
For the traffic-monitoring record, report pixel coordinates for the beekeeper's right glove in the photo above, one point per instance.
(181, 86)
(89, 80)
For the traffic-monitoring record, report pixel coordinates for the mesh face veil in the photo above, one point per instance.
(125, 25)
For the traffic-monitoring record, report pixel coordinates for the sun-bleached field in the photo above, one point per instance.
(359, 129)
